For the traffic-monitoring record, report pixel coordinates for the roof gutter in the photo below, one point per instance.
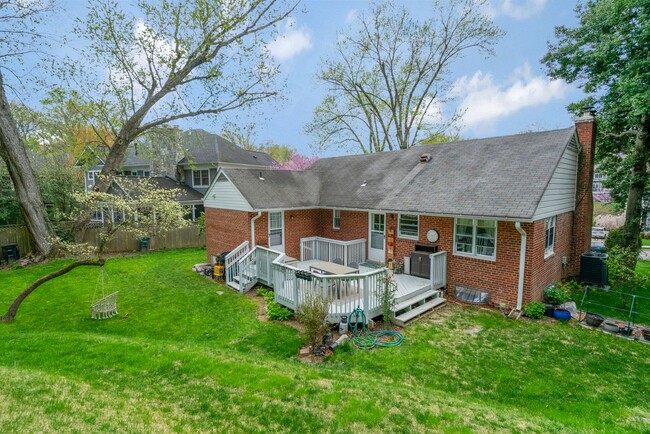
(259, 214)
(522, 265)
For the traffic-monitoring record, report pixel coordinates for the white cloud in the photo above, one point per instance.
(291, 42)
(517, 9)
(351, 16)
(486, 101)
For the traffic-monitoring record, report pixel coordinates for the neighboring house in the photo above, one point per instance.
(600, 193)
(507, 216)
(199, 157)
(187, 196)
(205, 153)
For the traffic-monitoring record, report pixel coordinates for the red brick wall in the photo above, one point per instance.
(548, 270)
(300, 224)
(583, 217)
(225, 229)
(354, 225)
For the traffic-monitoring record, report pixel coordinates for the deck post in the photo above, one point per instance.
(295, 290)
(366, 295)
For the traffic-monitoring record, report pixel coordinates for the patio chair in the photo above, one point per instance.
(338, 261)
(353, 265)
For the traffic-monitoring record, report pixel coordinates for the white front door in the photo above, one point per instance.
(377, 247)
(276, 231)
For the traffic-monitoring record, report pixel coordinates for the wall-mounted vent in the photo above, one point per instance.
(425, 158)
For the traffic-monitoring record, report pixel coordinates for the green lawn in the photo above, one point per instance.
(180, 357)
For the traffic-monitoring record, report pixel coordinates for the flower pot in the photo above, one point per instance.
(625, 330)
(562, 314)
(646, 334)
(593, 319)
(550, 310)
(611, 327)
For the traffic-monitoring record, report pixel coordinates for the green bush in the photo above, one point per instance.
(557, 293)
(535, 309)
(312, 314)
(615, 239)
(276, 312)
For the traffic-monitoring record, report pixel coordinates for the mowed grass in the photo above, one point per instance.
(180, 357)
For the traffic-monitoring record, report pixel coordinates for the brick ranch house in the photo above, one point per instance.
(513, 213)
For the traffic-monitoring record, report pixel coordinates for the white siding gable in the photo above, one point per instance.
(223, 194)
(560, 193)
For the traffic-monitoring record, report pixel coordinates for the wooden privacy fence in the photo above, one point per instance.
(121, 241)
(16, 234)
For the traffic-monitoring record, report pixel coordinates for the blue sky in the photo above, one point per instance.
(504, 94)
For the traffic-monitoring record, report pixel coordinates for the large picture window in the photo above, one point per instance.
(474, 237)
(201, 178)
(408, 226)
(550, 236)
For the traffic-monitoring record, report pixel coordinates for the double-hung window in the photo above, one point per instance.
(550, 236)
(201, 178)
(408, 226)
(336, 219)
(475, 237)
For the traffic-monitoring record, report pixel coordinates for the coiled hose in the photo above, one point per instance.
(365, 340)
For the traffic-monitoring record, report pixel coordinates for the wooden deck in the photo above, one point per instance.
(407, 285)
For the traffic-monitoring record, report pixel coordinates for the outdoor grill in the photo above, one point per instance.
(420, 260)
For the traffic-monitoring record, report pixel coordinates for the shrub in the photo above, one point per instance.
(276, 312)
(312, 313)
(615, 239)
(386, 291)
(273, 310)
(535, 309)
(621, 263)
(556, 293)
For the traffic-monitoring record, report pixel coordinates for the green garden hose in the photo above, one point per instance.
(365, 340)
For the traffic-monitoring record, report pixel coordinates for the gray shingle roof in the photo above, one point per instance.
(494, 177)
(202, 147)
(278, 188)
(185, 192)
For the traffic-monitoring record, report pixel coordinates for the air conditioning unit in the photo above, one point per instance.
(593, 268)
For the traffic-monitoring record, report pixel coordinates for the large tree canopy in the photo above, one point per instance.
(389, 80)
(607, 55)
(163, 61)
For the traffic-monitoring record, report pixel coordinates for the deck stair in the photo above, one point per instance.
(419, 304)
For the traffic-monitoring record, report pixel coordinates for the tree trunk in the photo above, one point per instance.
(12, 151)
(638, 180)
(13, 309)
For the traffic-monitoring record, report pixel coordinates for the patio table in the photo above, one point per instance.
(331, 268)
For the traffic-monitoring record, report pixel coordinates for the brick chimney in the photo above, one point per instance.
(583, 217)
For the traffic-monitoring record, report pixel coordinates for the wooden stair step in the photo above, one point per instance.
(415, 312)
(415, 299)
(234, 285)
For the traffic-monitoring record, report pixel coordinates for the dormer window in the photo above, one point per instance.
(201, 178)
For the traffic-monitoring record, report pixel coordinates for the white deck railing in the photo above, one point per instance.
(325, 249)
(232, 262)
(345, 292)
(438, 270)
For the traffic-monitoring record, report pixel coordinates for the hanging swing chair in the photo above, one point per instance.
(105, 307)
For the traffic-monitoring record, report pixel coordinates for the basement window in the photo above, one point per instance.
(475, 237)
(550, 236)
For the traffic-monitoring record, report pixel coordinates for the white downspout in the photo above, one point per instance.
(259, 214)
(522, 265)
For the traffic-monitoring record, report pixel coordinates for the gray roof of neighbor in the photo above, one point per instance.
(493, 177)
(185, 192)
(202, 147)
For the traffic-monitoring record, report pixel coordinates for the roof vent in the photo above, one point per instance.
(425, 158)
(261, 177)
(364, 183)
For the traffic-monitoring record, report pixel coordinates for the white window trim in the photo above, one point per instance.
(334, 211)
(549, 252)
(399, 228)
(92, 174)
(473, 254)
(200, 185)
